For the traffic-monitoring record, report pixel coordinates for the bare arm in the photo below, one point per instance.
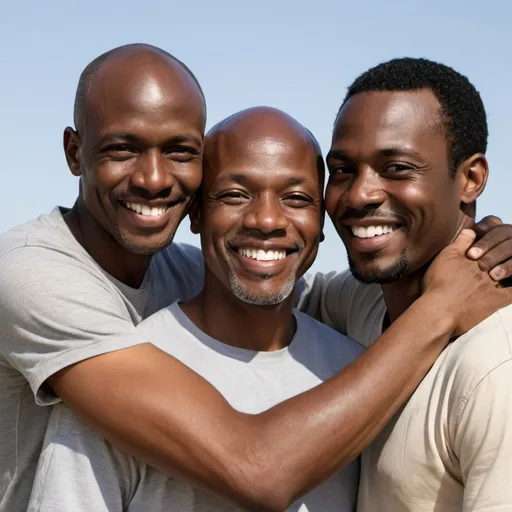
(154, 407)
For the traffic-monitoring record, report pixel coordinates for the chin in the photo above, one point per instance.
(144, 246)
(254, 297)
(372, 271)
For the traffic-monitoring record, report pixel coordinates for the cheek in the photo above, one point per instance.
(333, 198)
(189, 175)
(107, 175)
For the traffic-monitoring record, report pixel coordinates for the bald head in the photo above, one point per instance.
(260, 130)
(128, 60)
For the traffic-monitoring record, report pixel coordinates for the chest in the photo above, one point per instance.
(411, 466)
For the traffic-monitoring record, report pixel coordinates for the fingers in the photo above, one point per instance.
(498, 261)
(487, 224)
(493, 238)
(463, 241)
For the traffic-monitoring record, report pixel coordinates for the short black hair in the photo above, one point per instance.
(90, 70)
(462, 110)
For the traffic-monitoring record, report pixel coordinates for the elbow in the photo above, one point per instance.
(265, 490)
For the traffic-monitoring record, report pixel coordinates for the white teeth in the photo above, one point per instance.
(371, 231)
(145, 210)
(260, 255)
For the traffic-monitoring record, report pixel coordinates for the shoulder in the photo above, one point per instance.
(182, 256)
(474, 360)
(333, 344)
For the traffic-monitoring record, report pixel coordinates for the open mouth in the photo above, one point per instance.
(373, 231)
(145, 210)
(263, 254)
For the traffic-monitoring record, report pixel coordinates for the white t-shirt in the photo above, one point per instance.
(450, 447)
(79, 471)
(58, 307)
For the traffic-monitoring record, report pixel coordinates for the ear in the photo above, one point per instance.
(473, 174)
(322, 222)
(72, 151)
(194, 214)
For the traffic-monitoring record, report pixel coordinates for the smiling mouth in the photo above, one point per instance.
(373, 231)
(263, 254)
(145, 210)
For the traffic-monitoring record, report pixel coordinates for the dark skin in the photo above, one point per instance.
(389, 166)
(244, 209)
(166, 415)
(138, 141)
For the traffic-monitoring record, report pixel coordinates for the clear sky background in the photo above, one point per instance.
(296, 55)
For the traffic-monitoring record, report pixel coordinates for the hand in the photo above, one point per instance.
(466, 294)
(493, 250)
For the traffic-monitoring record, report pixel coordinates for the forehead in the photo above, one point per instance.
(265, 159)
(127, 98)
(390, 118)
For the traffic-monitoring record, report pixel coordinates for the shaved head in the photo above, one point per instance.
(124, 59)
(265, 127)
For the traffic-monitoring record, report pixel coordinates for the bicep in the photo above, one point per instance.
(54, 312)
(484, 444)
(155, 408)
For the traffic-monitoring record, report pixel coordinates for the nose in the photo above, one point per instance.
(364, 190)
(153, 173)
(266, 214)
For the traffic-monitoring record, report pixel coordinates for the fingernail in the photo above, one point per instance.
(475, 252)
(496, 273)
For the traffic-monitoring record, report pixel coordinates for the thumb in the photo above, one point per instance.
(463, 241)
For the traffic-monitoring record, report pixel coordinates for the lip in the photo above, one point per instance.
(146, 221)
(253, 266)
(369, 245)
(369, 221)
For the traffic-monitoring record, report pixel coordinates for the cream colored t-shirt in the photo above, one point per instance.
(450, 447)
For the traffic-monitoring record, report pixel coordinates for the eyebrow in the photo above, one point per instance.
(398, 150)
(178, 139)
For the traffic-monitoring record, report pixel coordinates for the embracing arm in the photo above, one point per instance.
(157, 409)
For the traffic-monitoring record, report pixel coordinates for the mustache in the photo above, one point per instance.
(374, 213)
(145, 195)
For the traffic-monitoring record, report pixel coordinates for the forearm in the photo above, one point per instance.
(265, 461)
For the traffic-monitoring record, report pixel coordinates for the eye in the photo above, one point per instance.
(182, 153)
(340, 169)
(119, 151)
(297, 200)
(398, 168)
(232, 197)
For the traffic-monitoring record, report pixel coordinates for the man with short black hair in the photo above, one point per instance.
(406, 162)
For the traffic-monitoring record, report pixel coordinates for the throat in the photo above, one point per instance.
(399, 295)
(219, 314)
(109, 254)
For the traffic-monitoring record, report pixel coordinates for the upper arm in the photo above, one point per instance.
(154, 407)
(55, 312)
(484, 444)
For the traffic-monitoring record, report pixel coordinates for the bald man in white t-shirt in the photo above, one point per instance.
(406, 163)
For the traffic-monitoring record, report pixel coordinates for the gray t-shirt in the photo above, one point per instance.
(79, 471)
(58, 307)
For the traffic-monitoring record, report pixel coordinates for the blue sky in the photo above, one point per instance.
(296, 55)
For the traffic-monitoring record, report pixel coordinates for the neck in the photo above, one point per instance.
(218, 313)
(399, 295)
(111, 256)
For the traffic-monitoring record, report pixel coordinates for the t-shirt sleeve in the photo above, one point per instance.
(338, 300)
(54, 312)
(483, 443)
(79, 471)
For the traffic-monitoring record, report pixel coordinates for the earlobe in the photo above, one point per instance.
(71, 142)
(195, 217)
(474, 176)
